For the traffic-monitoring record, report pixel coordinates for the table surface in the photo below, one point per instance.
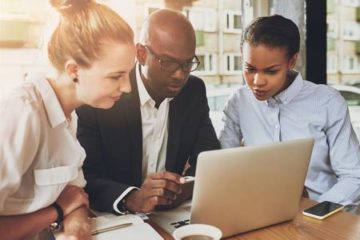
(340, 226)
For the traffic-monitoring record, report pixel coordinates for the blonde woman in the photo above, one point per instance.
(41, 179)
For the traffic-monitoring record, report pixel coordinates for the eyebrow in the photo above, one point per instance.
(167, 57)
(272, 66)
(116, 73)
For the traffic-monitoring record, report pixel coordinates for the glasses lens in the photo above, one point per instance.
(169, 66)
(194, 66)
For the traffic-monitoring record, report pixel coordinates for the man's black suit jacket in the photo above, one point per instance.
(113, 140)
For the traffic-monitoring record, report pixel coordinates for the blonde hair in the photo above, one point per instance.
(83, 28)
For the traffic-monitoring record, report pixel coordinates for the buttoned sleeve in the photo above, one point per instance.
(80, 179)
(230, 134)
(20, 137)
(344, 154)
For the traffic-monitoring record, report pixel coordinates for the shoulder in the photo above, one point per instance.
(21, 98)
(21, 110)
(240, 96)
(323, 94)
(241, 93)
(194, 83)
(193, 90)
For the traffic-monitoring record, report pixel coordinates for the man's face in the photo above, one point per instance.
(166, 68)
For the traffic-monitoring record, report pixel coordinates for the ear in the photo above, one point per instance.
(293, 61)
(71, 68)
(141, 53)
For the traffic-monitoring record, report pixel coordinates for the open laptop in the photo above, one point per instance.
(245, 188)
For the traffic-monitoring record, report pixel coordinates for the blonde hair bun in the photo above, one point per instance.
(83, 28)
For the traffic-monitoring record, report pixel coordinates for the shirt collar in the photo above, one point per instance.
(51, 103)
(143, 93)
(290, 92)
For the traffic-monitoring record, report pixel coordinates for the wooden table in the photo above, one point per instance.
(341, 226)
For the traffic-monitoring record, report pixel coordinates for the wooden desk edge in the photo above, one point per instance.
(305, 203)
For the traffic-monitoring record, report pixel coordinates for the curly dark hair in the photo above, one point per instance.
(273, 31)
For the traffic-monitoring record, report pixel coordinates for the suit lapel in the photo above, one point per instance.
(175, 121)
(134, 123)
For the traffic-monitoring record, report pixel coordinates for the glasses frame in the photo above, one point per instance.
(179, 65)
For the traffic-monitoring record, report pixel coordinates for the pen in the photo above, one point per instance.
(102, 230)
(189, 179)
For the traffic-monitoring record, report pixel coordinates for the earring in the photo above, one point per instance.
(75, 80)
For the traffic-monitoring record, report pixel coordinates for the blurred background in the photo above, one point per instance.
(330, 47)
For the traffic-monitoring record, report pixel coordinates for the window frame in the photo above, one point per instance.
(209, 21)
(231, 28)
(232, 70)
(206, 63)
(346, 64)
(333, 59)
(147, 7)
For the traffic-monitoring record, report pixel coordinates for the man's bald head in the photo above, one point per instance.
(168, 26)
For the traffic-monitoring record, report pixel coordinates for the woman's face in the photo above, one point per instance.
(265, 69)
(103, 83)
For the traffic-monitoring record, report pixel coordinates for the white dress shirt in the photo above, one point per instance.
(39, 152)
(154, 130)
(304, 109)
(155, 122)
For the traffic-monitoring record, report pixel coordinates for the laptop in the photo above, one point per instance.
(245, 188)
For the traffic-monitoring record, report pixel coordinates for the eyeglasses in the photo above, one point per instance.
(171, 65)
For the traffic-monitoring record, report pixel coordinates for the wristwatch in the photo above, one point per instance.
(56, 226)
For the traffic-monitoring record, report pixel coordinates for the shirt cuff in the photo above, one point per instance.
(343, 192)
(79, 181)
(116, 202)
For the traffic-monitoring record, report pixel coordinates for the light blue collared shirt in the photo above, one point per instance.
(302, 110)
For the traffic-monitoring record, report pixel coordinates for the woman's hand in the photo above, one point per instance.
(72, 198)
(77, 226)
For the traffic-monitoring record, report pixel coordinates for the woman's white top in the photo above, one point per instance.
(39, 152)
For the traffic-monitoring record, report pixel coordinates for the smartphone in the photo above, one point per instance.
(323, 210)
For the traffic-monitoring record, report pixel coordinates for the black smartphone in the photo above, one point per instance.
(323, 210)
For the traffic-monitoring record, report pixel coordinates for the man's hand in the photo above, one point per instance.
(160, 188)
(186, 194)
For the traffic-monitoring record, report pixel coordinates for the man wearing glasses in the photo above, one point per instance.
(139, 151)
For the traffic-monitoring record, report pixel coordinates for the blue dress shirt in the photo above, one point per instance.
(304, 109)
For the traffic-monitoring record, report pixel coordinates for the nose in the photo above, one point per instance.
(259, 80)
(125, 86)
(179, 74)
